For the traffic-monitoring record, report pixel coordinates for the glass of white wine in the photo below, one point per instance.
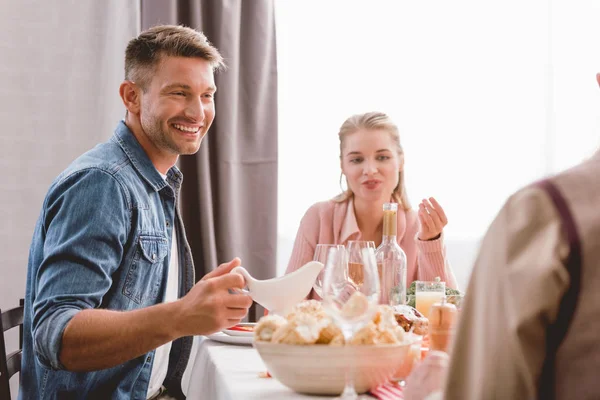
(355, 257)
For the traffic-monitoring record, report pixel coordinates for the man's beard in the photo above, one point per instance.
(163, 140)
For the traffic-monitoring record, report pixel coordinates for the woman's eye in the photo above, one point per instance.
(383, 158)
(356, 160)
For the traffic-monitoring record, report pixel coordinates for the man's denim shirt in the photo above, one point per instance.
(102, 241)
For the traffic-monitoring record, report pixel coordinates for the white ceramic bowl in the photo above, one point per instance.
(320, 369)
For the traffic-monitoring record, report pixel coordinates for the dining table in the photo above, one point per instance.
(225, 371)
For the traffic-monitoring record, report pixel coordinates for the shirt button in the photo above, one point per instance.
(168, 224)
(153, 256)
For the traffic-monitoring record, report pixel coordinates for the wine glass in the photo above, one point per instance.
(351, 302)
(355, 249)
(321, 254)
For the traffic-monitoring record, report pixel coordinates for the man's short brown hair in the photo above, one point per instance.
(144, 52)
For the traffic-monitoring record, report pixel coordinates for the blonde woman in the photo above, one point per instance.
(372, 161)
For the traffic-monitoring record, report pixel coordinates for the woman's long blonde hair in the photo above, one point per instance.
(374, 121)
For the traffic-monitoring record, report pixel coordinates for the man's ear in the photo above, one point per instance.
(598, 78)
(131, 95)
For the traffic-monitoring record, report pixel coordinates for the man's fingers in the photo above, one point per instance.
(234, 322)
(229, 281)
(238, 301)
(234, 313)
(223, 269)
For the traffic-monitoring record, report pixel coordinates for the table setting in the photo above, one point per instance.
(349, 344)
(240, 334)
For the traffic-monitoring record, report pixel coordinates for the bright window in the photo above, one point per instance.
(488, 96)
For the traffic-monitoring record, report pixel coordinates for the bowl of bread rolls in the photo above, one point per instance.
(306, 350)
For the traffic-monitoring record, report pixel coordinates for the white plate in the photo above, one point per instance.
(233, 332)
(224, 338)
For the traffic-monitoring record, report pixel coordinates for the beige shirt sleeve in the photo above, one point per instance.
(514, 292)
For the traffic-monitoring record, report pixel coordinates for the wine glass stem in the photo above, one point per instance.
(349, 391)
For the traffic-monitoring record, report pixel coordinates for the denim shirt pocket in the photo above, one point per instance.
(144, 277)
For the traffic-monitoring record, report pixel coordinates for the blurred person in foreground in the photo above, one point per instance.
(529, 325)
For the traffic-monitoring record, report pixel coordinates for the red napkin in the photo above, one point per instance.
(388, 391)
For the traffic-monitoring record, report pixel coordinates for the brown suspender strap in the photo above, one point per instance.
(557, 331)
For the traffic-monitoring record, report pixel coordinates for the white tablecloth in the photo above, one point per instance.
(231, 372)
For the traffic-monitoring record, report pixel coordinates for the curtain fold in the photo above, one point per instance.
(61, 64)
(229, 195)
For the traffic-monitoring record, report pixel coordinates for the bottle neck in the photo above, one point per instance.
(388, 239)
(390, 228)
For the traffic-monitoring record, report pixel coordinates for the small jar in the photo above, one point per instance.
(442, 318)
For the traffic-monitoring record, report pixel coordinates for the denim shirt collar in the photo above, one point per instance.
(141, 162)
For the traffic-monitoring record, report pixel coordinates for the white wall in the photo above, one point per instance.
(60, 68)
(488, 96)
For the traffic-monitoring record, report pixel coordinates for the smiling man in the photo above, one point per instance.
(111, 303)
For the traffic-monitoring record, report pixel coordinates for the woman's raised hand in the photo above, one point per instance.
(432, 219)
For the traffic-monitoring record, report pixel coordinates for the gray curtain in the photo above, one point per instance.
(59, 97)
(229, 198)
(61, 63)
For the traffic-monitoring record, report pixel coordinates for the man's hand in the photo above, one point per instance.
(210, 307)
(223, 269)
(97, 339)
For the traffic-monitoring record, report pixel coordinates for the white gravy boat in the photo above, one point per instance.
(279, 295)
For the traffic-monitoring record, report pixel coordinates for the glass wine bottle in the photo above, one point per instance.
(391, 260)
